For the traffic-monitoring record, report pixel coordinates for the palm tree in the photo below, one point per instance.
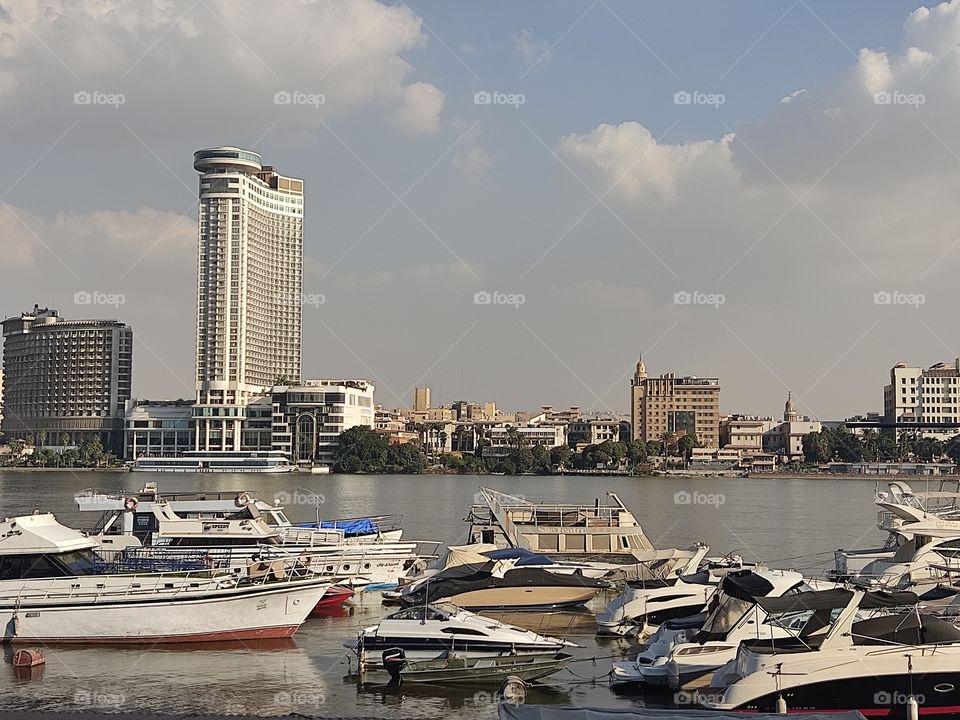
(42, 438)
(871, 443)
(668, 439)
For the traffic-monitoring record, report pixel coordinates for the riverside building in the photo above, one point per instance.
(926, 398)
(249, 290)
(66, 381)
(677, 405)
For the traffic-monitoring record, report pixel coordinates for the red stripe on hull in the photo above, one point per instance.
(281, 631)
(898, 711)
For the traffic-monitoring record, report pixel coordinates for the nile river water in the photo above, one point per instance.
(784, 523)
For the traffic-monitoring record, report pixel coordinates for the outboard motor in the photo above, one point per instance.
(394, 661)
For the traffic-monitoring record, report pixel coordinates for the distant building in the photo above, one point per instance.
(66, 381)
(249, 291)
(924, 397)
(786, 438)
(308, 418)
(158, 428)
(744, 433)
(500, 438)
(677, 405)
(582, 431)
(421, 399)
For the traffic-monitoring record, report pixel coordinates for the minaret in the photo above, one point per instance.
(790, 413)
(641, 373)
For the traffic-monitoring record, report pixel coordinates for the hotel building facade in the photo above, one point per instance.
(677, 405)
(66, 381)
(926, 397)
(249, 290)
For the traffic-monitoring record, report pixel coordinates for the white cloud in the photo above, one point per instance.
(421, 108)
(794, 96)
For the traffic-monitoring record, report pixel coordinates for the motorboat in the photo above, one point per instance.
(687, 652)
(427, 632)
(230, 542)
(240, 504)
(519, 558)
(51, 591)
(500, 585)
(333, 599)
(897, 662)
(454, 668)
(217, 461)
(645, 604)
(606, 532)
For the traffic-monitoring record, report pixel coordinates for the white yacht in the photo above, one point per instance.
(645, 604)
(429, 631)
(880, 665)
(51, 591)
(134, 541)
(686, 653)
(217, 461)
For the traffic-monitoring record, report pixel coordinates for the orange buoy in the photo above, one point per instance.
(29, 658)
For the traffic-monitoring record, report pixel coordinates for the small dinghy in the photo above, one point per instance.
(452, 667)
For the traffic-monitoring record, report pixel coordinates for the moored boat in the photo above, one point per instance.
(454, 668)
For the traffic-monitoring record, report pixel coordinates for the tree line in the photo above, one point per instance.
(839, 444)
(89, 453)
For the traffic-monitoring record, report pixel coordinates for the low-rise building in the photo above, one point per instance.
(157, 428)
(786, 438)
(503, 439)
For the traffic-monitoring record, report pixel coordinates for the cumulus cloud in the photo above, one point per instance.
(628, 157)
(421, 108)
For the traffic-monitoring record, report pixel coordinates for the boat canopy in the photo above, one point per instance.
(509, 711)
(834, 600)
(909, 628)
(746, 585)
(41, 533)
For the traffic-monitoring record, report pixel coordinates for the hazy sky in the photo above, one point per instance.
(789, 168)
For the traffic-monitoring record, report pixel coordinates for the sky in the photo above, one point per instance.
(509, 202)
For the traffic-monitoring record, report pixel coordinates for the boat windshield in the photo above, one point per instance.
(725, 615)
(79, 562)
(418, 613)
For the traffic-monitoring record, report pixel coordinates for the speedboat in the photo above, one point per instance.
(645, 604)
(453, 668)
(693, 651)
(427, 631)
(52, 590)
(881, 666)
(500, 585)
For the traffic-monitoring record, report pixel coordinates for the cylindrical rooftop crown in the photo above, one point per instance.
(230, 158)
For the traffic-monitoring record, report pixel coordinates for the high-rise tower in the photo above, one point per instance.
(249, 289)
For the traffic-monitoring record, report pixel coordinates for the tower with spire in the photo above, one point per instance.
(790, 413)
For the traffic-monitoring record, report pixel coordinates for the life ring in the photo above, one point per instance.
(130, 504)
(242, 500)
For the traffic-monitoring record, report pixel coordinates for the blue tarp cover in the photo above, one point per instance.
(361, 526)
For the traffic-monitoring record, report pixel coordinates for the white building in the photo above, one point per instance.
(786, 438)
(925, 397)
(308, 418)
(158, 428)
(502, 442)
(249, 289)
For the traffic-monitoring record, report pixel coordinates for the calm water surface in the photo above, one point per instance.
(785, 523)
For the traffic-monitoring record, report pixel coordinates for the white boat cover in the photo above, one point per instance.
(508, 711)
(468, 554)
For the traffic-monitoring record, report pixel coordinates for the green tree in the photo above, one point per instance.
(816, 448)
(668, 443)
(522, 460)
(561, 457)
(952, 449)
(541, 459)
(686, 445)
(406, 458)
(653, 447)
(361, 449)
(636, 452)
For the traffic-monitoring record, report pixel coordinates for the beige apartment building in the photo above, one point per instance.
(678, 405)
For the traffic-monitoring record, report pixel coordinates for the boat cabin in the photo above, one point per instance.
(37, 546)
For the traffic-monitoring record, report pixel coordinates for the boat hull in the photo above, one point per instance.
(483, 671)
(232, 614)
(523, 598)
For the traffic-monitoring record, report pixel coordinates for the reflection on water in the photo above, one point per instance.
(763, 519)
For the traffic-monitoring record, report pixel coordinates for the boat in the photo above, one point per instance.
(230, 542)
(333, 599)
(427, 632)
(131, 512)
(51, 591)
(500, 585)
(606, 532)
(646, 604)
(454, 668)
(898, 662)
(217, 461)
(515, 711)
(687, 651)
